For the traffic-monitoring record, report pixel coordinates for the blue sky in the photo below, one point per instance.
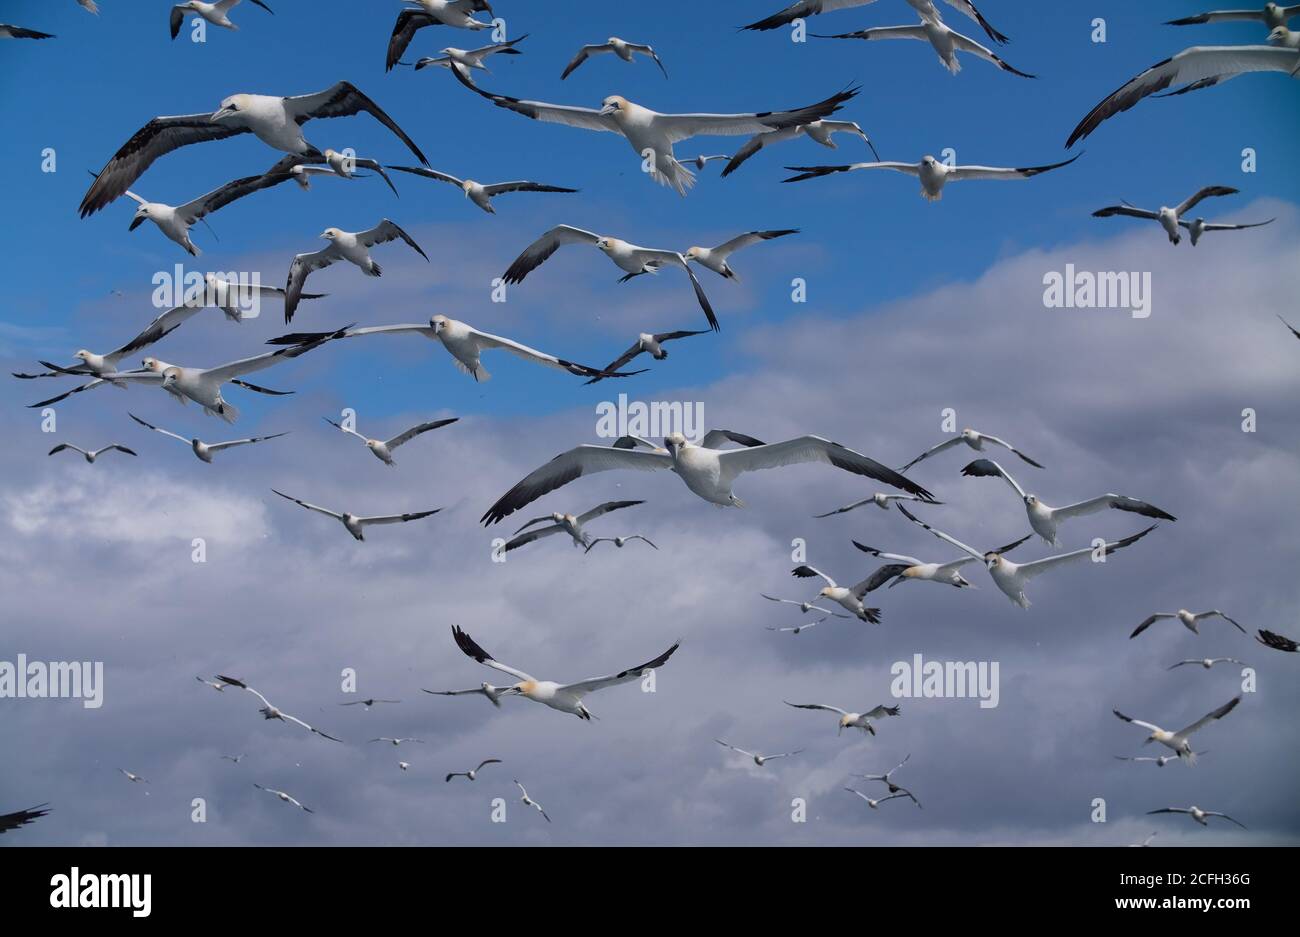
(913, 307)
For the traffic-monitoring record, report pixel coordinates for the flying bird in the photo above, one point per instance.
(1045, 519)
(277, 122)
(134, 778)
(284, 798)
(355, 523)
(1207, 662)
(463, 342)
(933, 173)
(1197, 814)
(270, 711)
(1011, 577)
(619, 542)
(202, 385)
(573, 525)
(904, 568)
(565, 697)
(651, 344)
(619, 47)
(1193, 69)
(1169, 218)
(470, 58)
(708, 472)
(651, 134)
(90, 6)
(758, 759)
(1180, 741)
(218, 14)
(9, 31)
(715, 258)
(1198, 226)
(1277, 642)
(383, 448)
(1158, 760)
(802, 9)
(489, 692)
(1271, 15)
(848, 598)
(879, 499)
(975, 440)
(630, 258)
(472, 773)
(819, 131)
(458, 14)
(233, 759)
(874, 803)
(90, 455)
(205, 451)
(946, 43)
(214, 684)
(804, 607)
(1190, 620)
(851, 720)
(699, 162)
(529, 802)
(367, 703)
(796, 629)
(352, 246)
(888, 780)
(395, 741)
(478, 193)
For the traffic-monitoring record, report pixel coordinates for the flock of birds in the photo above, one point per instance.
(709, 467)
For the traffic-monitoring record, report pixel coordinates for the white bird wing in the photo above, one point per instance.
(1210, 717)
(226, 372)
(946, 538)
(387, 231)
(999, 172)
(583, 54)
(1222, 16)
(1216, 226)
(1006, 445)
(584, 118)
(408, 435)
(679, 127)
(1126, 209)
(756, 143)
(748, 238)
(1199, 67)
(834, 709)
(1111, 500)
(899, 557)
(343, 429)
(1030, 570)
(571, 465)
(623, 676)
(1219, 614)
(158, 429)
(538, 252)
(430, 174)
(471, 649)
(811, 449)
(134, 377)
(311, 507)
(381, 519)
(933, 450)
(488, 340)
(344, 100)
(734, 748)
(222, 196)
(1138, 722)
(885, 32)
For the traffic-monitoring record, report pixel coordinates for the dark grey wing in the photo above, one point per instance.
(11, 821)
(344, 100)
(408, 21)
(613, 365)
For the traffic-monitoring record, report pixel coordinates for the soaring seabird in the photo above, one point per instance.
(206, 450)
(1179, 741)
(934, 174)
(708, 472)
(1207, 662)
(218, 14)
(571, 524)
(270, 711)
(851, 720)
(888, 780)
(470, 58)
(1197, 814)
(478, 193)
(620, 542)
(757, 758)
(850, 598)
(277, 122)
(905, 568)
(356, 523)
(945, 41)
(975, 440)
(352, 246)
(715, 258)
(12, 821)
(1169, 218)
(620, 47)
(383, 448)
(819, 131)
(651, 344)
(472, 773)
(802, 9)
(1190, 620)
(1271, 15)
(456, 13)
(879, 499)
(529, 802)
(90, 455)
(285, 798)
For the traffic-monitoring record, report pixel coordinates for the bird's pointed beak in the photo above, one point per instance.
(136, 222)
(607, 110)
(220, 114)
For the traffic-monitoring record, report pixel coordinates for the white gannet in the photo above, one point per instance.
(804, 607)
(796, 629)
(619, 542)
(275, 121)
(214, 684)
(1197, 814)
(1179, 741)
(352, 246)
(356, 524)
(1168, 218)
(396, 741)
(851, 720)
(906, 568)
(463, 342)
(849, 598)
(9, 31)
(1198, 226)
(933, 173)
(284, 798)
(472, 773)
(620, 47)
(456, 13)
(652, 134)
(12, 821)
(1190, 620)
(1158, 760)
(975, 440)
(90, 455)
(367, 703)
(478, 193)
(946, 43)
(699, 162)
(819, 131)
(529, 802)
(1207, 662)
(403, 765)
(218, 14)
(805, 8)
(879, 499)
(1011, 577)
(888, 780)
(383, 448)
(651, 344)
(1271, 15)
(202, 385)
(573, 525)
(565, 697)
(708, 472)
(874, 803)
(1045, 519)
(491, 693)
(233, 759)
(630, 258)
(758, 759)
(1278, 642)
(133, 777)
(715, 258)
(469, 58)
(1196, 68)
(205, 450)
(331, 164)
(269, 711)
